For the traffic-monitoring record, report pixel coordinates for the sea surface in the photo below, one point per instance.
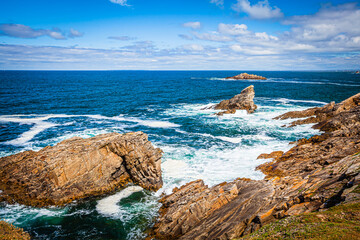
(41, 108)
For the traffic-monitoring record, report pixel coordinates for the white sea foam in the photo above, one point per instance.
(285, 100)
(109, 205)
(40, 123)
(20, 213)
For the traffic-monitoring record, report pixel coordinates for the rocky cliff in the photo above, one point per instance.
(242, 101)
(10, 232)
(317, 173)
(243, 76)
(77, 168)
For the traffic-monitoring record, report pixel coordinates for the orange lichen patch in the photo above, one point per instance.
(270, 170)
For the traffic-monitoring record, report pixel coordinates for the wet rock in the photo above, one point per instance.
(242, 101)
(243, 76)
(77, 168)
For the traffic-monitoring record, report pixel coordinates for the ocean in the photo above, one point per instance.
(41, 108)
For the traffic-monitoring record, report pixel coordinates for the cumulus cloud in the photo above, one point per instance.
(193, 25)
(331, 24)
(260, 10)
(120, 2)
(219, 3)
(122, 38)
(232, 29)
(23, 31)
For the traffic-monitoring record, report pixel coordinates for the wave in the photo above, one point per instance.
(109, 205)
(40, 123)
(286, 100)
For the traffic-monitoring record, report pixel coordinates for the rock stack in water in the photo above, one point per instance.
(77, 168)
(316, 174)
(242, 101)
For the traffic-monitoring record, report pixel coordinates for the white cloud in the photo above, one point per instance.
(330, 23)
(215, 37)
(232, 29)
(193, 25)
(261, 10)
(193, 47)
(219, 3)
(74, 33)
(120, 2)
(23, 31)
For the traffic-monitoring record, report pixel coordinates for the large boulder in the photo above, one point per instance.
(316, 174)
(242, 101)
(77, 168)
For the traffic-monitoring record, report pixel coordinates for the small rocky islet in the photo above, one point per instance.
(314, 175)
(246, 76)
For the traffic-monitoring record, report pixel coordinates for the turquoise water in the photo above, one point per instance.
(40, 108)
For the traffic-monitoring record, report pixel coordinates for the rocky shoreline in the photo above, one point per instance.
(316, 174)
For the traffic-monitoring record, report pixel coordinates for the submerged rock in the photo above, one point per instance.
(77, 168)
(242, 101)
(317, 173)
(246, 76)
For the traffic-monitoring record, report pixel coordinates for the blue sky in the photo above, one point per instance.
(179, 35)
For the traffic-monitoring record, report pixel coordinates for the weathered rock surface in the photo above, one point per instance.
(242, 101)
(317, 173)
(246, 76)
(77, 168)
(10, 232)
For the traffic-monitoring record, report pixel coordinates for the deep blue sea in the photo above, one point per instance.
(40, 108)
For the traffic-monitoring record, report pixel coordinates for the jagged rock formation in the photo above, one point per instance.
(78, 168)
(10, 232)
(317, 173)
(243, 76)
(242, 101)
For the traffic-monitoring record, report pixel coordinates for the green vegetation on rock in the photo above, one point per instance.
(339, 222)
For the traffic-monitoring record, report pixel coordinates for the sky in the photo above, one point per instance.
(179, 35)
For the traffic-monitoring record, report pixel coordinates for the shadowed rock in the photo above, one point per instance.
(242, 101)
(317, 173)
(77, 168)
(243, 76)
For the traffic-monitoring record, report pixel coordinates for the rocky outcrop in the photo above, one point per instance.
(243, 76)
(242, 101)
(317, 173)
(10, 232)
(77, 168)
(320, 114)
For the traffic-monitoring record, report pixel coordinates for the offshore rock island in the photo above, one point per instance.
(246, 76)
(316, 174)
(78, 168)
